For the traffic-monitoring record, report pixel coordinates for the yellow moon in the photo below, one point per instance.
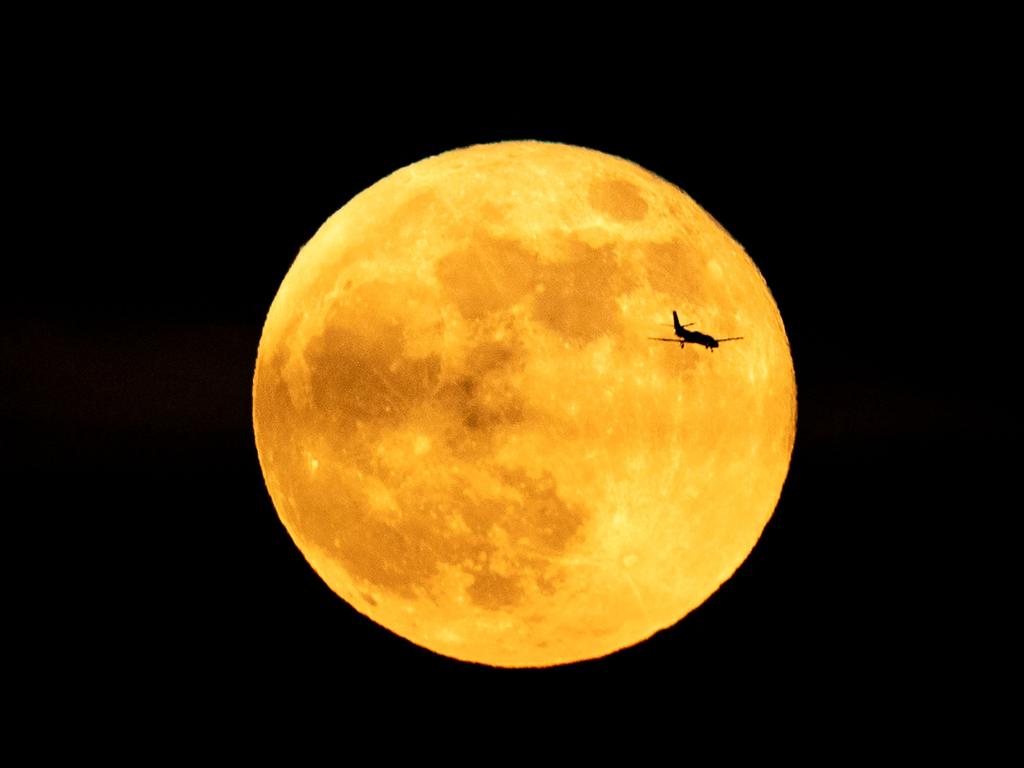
(466, 431)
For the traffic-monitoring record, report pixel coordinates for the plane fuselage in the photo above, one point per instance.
(696, 337)
(693, 337)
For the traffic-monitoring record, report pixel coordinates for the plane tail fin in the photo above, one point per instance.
(675, 322)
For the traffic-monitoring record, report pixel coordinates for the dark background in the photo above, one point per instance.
(159, 227)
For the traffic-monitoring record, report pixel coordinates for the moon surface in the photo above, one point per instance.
(466, 431)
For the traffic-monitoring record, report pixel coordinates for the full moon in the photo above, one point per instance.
(465, 429)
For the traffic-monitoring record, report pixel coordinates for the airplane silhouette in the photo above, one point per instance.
(694, 337)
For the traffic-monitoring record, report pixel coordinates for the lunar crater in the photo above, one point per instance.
(618, 199)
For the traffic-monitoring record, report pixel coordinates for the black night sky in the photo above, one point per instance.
(133, 313)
